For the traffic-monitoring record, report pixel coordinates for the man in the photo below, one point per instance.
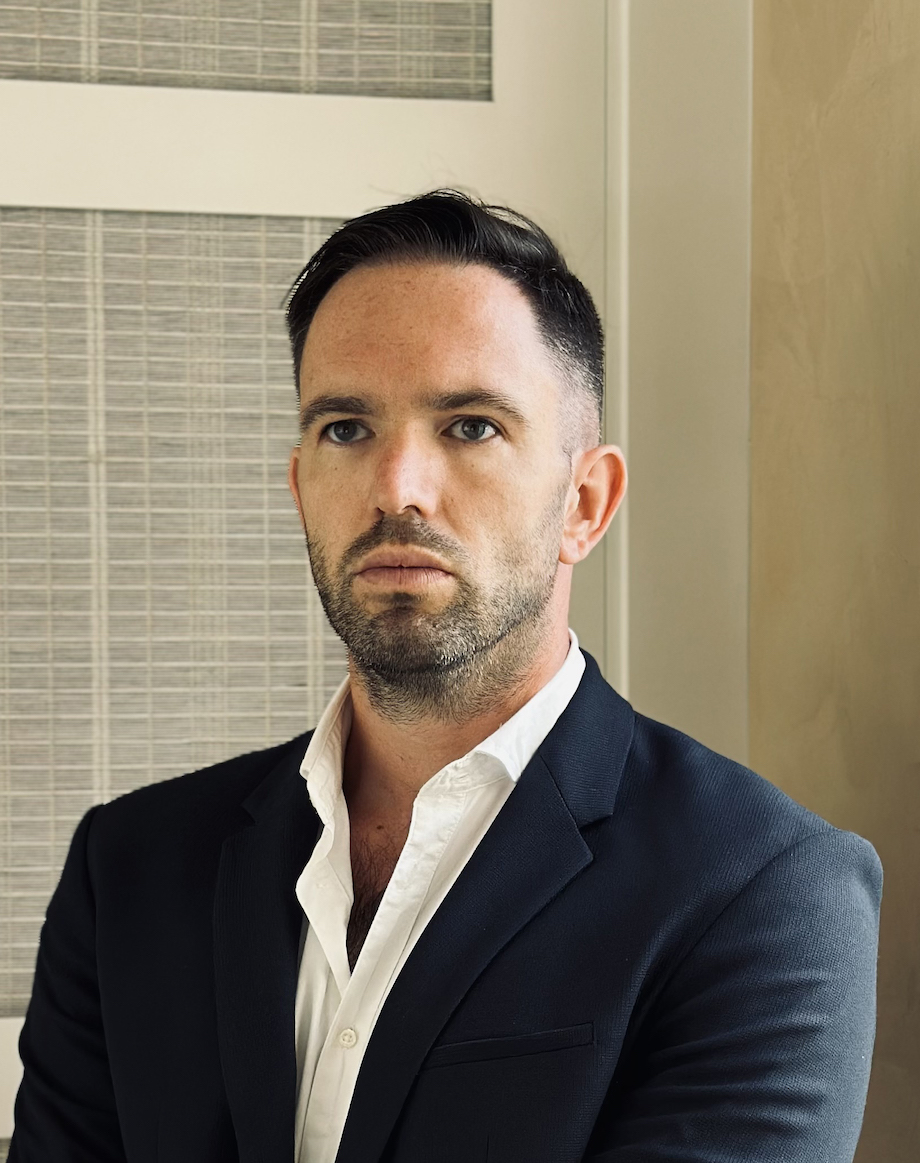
(485, 910)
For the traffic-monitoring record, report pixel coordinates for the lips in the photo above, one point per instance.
(390, 577)
(402, 559)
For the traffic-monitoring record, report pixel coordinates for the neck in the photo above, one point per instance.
(387, 762)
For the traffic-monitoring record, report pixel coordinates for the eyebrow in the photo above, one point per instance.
(444, 402)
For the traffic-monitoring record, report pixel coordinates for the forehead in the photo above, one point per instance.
(425, 316)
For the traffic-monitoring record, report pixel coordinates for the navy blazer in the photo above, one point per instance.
(653, 956)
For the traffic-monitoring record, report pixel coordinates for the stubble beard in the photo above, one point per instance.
(418, 659)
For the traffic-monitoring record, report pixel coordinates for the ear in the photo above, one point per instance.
(600, 484)
(293, 485)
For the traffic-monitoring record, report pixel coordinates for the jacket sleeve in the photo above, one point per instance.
(760, 1042)
(65, 1108)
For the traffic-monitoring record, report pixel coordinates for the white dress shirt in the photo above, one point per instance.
(336, 1009)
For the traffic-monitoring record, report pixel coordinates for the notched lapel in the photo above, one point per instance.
(257, 924)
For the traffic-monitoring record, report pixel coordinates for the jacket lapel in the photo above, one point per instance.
(533, 849)
(257, 926)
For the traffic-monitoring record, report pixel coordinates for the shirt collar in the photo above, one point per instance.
(507, 750)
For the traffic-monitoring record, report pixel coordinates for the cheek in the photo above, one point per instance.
(317, 504)
(326, 488)
(516, 501)
(509, 510)
(484, 521)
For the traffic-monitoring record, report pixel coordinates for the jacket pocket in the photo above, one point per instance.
(481, 1049)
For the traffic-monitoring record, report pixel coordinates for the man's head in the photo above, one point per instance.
(439, 297)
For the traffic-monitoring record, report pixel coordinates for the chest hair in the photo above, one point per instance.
(375, 850)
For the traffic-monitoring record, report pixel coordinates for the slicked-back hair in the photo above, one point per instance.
(447, 226)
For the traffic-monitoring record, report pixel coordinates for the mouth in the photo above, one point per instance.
(403, 576)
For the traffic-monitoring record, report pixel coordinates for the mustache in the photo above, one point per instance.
(414, 536)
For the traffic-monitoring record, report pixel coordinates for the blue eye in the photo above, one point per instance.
(478, 421)
(337, 424)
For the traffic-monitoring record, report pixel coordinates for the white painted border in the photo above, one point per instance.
(131, 147)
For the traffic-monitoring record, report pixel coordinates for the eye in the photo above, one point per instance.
(339, 424)
(478, 421)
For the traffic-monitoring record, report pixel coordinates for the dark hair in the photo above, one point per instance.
(448, 226)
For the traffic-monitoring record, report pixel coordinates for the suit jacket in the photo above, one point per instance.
(653, 956)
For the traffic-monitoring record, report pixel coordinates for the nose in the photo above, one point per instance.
(407, 474)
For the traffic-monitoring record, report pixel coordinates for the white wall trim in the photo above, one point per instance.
(134, 147)
(616, 594)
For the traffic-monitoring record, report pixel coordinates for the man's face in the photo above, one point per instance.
(482, 490)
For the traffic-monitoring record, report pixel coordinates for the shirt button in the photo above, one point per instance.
(347, 1038)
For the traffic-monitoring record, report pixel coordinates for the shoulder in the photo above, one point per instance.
(208, 800)
(705, 817)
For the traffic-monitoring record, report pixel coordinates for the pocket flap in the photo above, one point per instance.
(481, 1049)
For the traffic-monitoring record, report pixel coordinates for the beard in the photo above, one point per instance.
(421, 658)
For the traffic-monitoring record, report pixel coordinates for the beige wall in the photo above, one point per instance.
(835, 463)
(688, 336)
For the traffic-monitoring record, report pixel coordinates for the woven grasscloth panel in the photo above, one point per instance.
(157, 611)
(386, 48)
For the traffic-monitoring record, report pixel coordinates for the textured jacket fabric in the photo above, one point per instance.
(653, 956)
